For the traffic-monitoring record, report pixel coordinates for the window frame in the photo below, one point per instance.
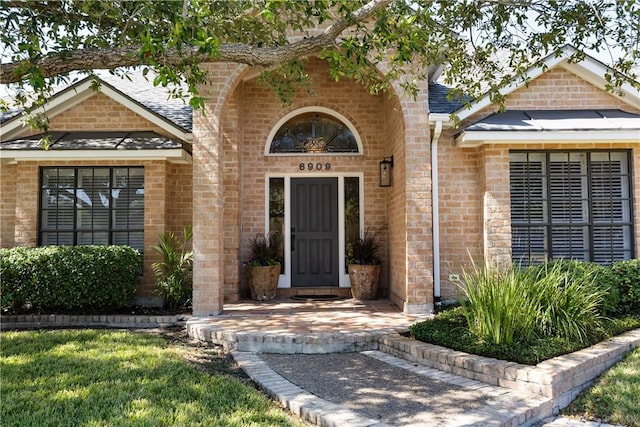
(319, 110)
(111, 230)
(548, 225)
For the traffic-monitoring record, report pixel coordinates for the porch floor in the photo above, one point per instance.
(288, 326)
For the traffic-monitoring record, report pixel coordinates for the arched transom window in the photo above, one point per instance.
(313, 133)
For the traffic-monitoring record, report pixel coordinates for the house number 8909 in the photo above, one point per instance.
(318, 166)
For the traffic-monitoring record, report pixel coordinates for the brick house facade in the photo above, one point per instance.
(220, 175)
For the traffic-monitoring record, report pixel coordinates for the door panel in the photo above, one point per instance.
(314, 232)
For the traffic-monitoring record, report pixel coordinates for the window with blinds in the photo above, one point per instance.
(574, 205)
(92, 206)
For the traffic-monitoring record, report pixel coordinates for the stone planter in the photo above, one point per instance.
(364, 280)
(263, 282)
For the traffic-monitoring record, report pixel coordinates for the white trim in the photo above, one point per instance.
(589, 69)
(173, 155)
(343, 278)
(442, 118)
(74, 95)
(478, 138)
(312, 109)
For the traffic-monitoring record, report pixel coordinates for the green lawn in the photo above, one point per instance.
(118, 378)
(615, 397)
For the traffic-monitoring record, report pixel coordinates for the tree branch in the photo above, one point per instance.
(61, 63)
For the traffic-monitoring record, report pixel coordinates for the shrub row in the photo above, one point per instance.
(620, 282)
(68, 278)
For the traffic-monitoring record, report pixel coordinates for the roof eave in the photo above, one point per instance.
(514, 138)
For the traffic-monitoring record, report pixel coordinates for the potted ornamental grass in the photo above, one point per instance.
(363, 265)
(263, 268)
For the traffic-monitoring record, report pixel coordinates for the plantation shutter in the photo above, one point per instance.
(528, 207)
(568, 201)
(58, 199)
(610, 207)
(93, 199)
(128, 212)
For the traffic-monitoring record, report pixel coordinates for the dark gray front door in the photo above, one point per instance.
(314, 232)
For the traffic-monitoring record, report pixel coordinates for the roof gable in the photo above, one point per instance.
(142, 100)
(589, 69)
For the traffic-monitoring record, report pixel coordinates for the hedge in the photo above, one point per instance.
(68, 278)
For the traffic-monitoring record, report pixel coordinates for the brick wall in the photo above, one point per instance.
(101, 113)
(395, 130)
(460, 195)
(180, 196)
(27, 193)
(7, 204)
(560, 89)
(25, 232)
(418, 230)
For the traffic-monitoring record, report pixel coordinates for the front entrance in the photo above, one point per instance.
(314, 232)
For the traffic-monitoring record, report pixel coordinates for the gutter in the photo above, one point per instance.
(438, 121)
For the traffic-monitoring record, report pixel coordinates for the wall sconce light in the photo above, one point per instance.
(386, 165)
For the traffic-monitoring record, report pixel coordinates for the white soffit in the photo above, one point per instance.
(476, 139)
(172, 155)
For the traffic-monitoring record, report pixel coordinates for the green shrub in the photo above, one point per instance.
(622, 281)
(68, 278)
(174, 282)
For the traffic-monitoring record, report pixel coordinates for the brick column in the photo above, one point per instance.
(208, 191)
(419, 219)
(414, 161)
(496, 204)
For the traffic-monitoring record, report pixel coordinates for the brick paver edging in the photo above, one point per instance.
(561, 378)
(34, 321)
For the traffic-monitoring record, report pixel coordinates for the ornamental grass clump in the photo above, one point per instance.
(570, 300)
(507, 304)
(496, 305)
